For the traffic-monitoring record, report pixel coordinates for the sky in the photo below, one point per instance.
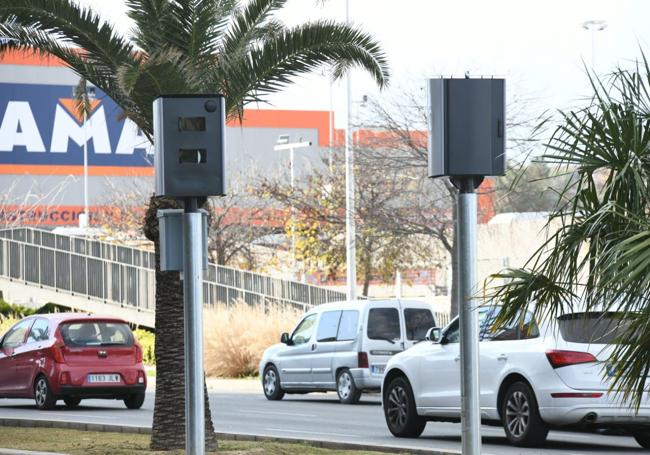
(540, 47)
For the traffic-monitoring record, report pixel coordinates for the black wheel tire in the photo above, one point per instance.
(43, 396)
(346, 388)
(271, 384)
(520, 417)
(400, 410)
(642, 437)
(71, 403)
(134, 401)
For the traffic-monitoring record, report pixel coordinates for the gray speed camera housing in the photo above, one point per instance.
(189, 141)
(466, 127)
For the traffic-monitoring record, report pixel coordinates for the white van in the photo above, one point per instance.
(343, 346)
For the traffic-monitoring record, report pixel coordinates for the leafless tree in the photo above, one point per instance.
(19, 207)
(319, 222)
(394, 138)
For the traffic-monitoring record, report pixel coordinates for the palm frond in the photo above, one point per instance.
(72, 25)
(271, 65)
(599, 254)
(251, 24)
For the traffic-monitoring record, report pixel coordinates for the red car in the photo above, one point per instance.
(69, 357)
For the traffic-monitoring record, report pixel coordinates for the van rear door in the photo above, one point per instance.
(383, 337)
(417, 320)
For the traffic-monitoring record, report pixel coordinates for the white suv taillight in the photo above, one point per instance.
(558, 358)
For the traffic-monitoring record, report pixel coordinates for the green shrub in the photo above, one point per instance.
(14, 311)
(147, 340)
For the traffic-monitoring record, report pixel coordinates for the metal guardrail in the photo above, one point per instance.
(126, 275)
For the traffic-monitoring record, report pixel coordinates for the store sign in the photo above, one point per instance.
(39, 124)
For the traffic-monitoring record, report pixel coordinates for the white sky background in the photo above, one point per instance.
(539, 46)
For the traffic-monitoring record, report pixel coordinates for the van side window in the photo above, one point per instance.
(303, 332)
(328, 326)
(348, 326)
(383, 324)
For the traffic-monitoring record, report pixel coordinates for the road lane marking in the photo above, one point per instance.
(312, 432)
(279, 413)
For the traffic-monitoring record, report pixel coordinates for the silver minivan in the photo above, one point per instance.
(343, 346)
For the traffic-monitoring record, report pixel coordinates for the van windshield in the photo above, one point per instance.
(593, 327)
(96, 333)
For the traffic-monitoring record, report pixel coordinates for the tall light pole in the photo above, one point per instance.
(284, 144)
(350, 228)
(594, 26)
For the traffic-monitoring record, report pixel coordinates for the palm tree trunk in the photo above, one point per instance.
(168, 432)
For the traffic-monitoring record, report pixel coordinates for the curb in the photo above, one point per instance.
(32, 423)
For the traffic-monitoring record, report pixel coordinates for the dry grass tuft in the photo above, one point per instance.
(236, 335)
(6, 323)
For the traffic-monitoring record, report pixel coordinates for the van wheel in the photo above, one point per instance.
(400, 411)
(346, 388)
(520, 417)
(642, 437)
(43, 395)
(271, 383)
(71, 403)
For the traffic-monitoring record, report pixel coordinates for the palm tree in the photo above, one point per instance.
(599, 256)
(176, 47)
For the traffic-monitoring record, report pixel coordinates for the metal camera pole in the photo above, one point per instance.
(193, 303)
(187, 129)
(467, 143)
(468, 316)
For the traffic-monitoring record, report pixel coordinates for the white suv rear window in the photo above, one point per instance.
(595, 327)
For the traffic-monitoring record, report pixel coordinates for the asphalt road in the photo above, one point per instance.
(320, 416)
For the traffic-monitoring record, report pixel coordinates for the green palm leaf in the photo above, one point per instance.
(599, 256)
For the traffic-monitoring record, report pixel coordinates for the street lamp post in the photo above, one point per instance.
(88, 95)
(284, 144)
(350, 228)
(594, 26)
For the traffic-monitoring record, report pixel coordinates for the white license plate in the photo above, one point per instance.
(106, 378)
(377, 369)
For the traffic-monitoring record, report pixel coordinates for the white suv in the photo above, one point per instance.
(533, 378)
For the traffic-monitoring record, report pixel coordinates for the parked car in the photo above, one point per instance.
(69, 357)
(533, 377)
(343, 346)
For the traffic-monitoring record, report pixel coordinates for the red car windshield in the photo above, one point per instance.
(80, 334)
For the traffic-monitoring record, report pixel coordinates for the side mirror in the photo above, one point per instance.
(434, 334)
(284, 338)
